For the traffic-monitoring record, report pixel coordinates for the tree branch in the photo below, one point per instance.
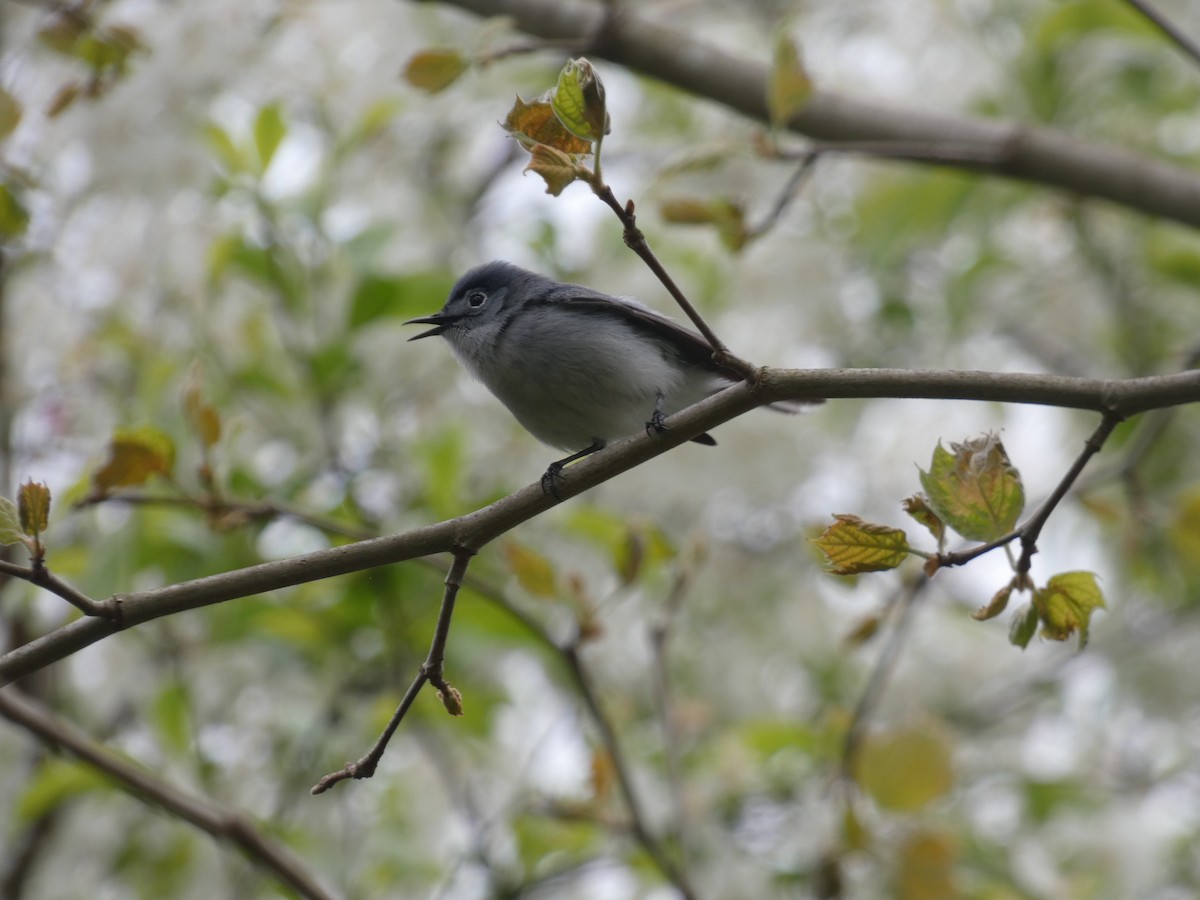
(1174, 34)
(472, 531)
(430, 671)
(1029, 153)
(223, 824)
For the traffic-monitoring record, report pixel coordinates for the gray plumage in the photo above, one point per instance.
(576, 367)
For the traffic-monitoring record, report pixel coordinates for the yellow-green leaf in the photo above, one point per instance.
(578, 101)
(853, 546)
(556, 168)
(975, 489)
(33, 508)
(728, 216)
(10, 523)
(269, 131)
(10, 113)
(1065, 605)
(535, 123)
(53, 783)
(201, 415)
(918, 507)
(134, 456)
(905, 769)
(996, 605)
(1023, 626)
(927, 866)
(435, 70)
(534, 572)
(788, 87)
(14, 217)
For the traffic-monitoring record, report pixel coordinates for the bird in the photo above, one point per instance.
(576, 367)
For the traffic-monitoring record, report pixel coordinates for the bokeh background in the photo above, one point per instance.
(248, 198)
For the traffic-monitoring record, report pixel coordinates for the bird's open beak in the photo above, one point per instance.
(440, 321)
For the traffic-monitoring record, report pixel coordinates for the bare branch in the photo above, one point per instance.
(472, 531)
(1029, 153)
(223, 824)
(39, 575)
(903, 607)
(1177, 37)
(430, 671)
(608, 736)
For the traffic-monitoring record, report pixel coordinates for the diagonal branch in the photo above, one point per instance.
(470, 532)
(223, 824)
(1167, 27)
(430, 672)
(1030, 153)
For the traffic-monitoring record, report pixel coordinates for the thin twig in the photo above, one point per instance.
(660, 634)
(38, 574)
(1181, 40)
(1032, 529)
(431, 671)
(232, 512)
(903, 607)
(223, 824)
(612, 746)
(790, 192)
(636, 241)
(582, 681)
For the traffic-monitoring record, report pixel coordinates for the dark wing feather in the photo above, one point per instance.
(690, 346)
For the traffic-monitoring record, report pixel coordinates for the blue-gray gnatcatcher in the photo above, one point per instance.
(577, 367)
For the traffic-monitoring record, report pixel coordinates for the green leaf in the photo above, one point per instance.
(534, 572)
(398, 296)
(10, 113)
(975, 490)
(995, 606)
(578, 101)
(55, 782)
(1068, 22)
(788, 86)
(1023, 627)
(918, 507)
(33, 508)
(633, 548)
(853, 546)
(903, 770)
(1065, 605)
(14, 217)
(269, 131)
(134, 456)
(10, 523)
(727, 216)
(171, 715)
(435, 70)
(224, 148)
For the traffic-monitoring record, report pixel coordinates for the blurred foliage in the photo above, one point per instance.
(207, 265)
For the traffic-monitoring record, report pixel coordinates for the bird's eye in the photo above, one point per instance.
(476, 299)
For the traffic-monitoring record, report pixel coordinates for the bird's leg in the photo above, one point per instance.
(657, 421)
(554, 471)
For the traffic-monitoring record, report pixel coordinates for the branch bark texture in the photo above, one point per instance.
(1036, 154)
(470, 532)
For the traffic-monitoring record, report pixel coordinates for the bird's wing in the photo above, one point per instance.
(690, 346)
